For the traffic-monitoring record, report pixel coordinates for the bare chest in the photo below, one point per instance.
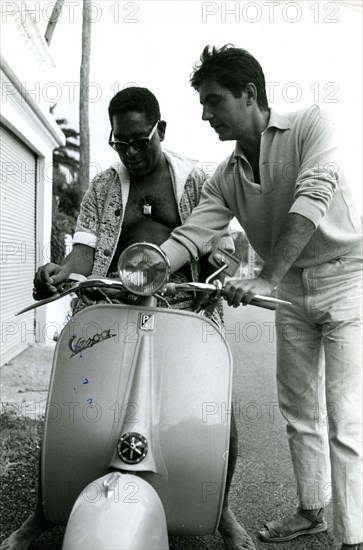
(152, 200)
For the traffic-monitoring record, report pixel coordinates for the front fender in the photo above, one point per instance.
(117, 512)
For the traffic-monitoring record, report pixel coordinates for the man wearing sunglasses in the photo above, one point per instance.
(144, 197)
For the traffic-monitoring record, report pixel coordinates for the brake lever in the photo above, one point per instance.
(72, 287)
(39, 303)
(56, 296)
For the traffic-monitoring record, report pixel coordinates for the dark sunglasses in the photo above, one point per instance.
(139, 144)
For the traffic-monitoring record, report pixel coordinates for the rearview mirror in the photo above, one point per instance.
(220, 256)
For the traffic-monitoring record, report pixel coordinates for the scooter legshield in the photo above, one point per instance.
(157, 377)
(106, 520)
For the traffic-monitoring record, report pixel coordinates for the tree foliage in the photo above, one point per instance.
(66, 191)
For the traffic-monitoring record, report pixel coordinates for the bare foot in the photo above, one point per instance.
(31, 529)
(232, 533)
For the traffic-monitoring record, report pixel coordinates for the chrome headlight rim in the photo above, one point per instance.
(146, 246)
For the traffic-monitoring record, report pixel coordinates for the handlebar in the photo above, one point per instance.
(267, 302)
(69, 287)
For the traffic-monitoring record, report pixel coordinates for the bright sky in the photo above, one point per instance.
(310, 51)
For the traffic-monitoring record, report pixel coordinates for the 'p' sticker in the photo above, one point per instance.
(147, 321)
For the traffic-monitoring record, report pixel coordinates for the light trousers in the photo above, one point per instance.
(319, 381)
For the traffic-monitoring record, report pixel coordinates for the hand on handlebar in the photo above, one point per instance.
(242, 291)
(46, 280)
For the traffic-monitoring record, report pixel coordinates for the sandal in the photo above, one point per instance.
(280, 531)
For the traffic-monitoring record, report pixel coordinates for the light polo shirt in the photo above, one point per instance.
(300, 172)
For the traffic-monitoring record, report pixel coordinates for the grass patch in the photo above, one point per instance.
(19, 456)
(19, 442)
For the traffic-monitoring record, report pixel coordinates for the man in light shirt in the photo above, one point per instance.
(285, 184)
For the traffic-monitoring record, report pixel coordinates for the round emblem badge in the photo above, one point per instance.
(132, 448)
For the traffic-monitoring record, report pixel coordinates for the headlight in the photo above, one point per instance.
(143, 268)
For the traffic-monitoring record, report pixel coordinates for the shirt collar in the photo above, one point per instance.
(180, 166)
(276, 120)
(279, 120)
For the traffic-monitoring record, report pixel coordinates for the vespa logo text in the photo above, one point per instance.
(84, 343)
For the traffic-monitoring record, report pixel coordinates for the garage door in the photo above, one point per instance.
(18, 248)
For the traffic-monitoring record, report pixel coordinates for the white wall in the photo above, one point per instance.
(26, 67)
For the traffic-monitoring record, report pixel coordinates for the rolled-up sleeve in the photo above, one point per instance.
(319, 168)
(88, 220)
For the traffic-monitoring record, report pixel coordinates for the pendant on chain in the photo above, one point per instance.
(146, 209)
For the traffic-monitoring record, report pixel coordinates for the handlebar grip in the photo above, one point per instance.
(261, 303)
(268, 302)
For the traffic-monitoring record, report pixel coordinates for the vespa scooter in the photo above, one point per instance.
(133, 449)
